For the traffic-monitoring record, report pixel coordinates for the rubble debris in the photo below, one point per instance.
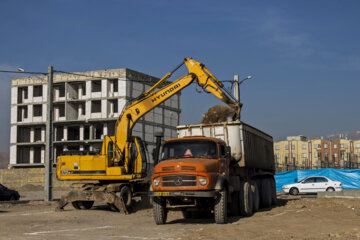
(218, 113)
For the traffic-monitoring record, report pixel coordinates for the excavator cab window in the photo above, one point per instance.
(142, 150)
(110, 149)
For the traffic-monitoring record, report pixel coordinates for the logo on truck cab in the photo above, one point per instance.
(163, 94)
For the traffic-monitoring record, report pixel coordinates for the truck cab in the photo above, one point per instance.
(188, 164)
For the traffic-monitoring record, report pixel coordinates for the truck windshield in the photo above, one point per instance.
(189, 149)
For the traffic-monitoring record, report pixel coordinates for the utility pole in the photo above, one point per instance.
(236, 90)
(49, 138)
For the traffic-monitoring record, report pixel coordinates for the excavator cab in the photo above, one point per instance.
(135, 161)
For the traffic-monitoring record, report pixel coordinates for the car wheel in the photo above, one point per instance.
(294, 191)
(330, 189)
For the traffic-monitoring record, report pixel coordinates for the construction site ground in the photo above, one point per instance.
(292, 218)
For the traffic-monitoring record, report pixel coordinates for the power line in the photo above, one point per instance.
(5, 71)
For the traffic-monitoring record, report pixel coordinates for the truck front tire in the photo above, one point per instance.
(160, 213)
(220, 208)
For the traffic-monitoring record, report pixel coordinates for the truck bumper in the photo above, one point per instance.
(204, 194)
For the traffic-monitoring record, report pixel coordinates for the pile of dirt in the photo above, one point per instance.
(218, 113)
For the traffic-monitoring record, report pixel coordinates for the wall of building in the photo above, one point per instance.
(21, 177)
(85, 110)
(300, 153)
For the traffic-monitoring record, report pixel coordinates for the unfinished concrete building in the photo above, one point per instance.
(86, 107)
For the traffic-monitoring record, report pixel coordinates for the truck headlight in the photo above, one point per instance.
(202, 181)
(156, 182)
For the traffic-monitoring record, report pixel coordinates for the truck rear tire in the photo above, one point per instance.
(160, 213)
(220, 208)
(246, 199)
(265, 196)
(273, 192)
(256, 196)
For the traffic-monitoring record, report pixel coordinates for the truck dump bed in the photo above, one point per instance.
(251, 147)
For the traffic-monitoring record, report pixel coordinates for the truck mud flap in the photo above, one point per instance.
(108, 197)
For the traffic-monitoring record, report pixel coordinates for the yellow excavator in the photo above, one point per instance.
(121, 170)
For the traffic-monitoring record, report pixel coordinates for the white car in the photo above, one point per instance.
(312, 184)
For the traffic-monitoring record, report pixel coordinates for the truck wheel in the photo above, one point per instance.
(220, 208)
(273, 191)
(160, 213)
(235, 204)
(246, 200)
(256, 196)
(125, 193)
(265, 196)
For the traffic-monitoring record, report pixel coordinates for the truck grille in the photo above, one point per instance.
(179, 181)
(171, 168)
(188, 168)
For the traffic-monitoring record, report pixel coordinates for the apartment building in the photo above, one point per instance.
(86, 107)
(300, 153)
(294, 152)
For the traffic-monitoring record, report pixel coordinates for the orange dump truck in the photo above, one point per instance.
(219, 168)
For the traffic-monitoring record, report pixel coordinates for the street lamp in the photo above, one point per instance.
(236, 87)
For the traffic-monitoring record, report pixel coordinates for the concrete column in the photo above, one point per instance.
(81, 132)
(80, 112)
(105, 129)
(65, 133)
(81, 148)
(32, 131)
(80, 91)
(31, 155)
(43, 134)
(91, 132)
(42, 154)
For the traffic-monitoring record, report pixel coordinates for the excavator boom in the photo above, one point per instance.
(197, 72)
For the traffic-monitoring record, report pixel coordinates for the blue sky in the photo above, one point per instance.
(304, 55)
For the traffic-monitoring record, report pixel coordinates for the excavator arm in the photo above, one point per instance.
(149, 100)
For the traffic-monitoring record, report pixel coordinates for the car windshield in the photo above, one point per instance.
(189, 149)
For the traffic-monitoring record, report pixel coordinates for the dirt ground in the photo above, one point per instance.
(292, 218)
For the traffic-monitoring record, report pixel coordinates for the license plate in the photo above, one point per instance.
(162, 194)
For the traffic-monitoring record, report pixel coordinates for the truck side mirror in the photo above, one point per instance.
(228, 151)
